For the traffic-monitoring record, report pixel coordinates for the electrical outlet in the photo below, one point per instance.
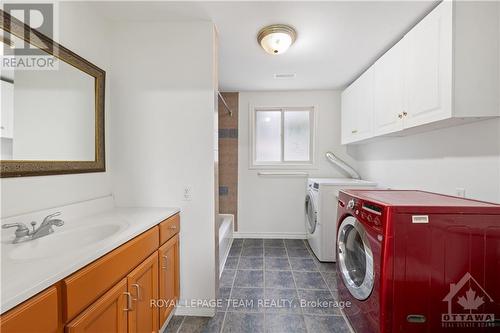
(187, 193)
(460, 192)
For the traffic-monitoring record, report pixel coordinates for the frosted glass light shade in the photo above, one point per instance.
(276, 39)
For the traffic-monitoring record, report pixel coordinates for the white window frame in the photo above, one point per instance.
(283, 165)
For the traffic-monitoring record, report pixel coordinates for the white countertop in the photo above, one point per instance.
(24, 276)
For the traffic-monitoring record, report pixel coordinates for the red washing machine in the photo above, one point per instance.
(413, 261)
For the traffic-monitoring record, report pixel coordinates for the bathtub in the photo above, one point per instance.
(226, 225)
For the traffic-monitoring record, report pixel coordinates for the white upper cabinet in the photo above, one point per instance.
(443, 72)
(388, 91)
(7, 109)
(357, 109)
(428, 68)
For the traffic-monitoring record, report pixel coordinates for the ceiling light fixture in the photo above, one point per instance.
(276, 39)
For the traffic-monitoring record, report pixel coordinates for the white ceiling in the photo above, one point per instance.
(337, 40)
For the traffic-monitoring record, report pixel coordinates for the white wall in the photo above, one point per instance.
(274, 206)
(20, 195)
(163, 134)
(441, 161)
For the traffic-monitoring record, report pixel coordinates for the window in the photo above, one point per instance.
(282, 137)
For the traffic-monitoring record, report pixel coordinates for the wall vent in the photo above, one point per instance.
(284, 76)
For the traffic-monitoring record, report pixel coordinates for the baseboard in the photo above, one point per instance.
(223, 263)
(284, 235)
(192, 311)
(165, 324)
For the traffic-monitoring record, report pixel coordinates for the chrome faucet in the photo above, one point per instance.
(24, 234)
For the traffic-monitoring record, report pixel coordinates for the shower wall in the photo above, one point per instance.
(228, 156)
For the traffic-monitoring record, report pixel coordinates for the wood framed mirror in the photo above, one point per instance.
(52, 118)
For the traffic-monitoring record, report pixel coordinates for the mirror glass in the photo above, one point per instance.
(47, 114)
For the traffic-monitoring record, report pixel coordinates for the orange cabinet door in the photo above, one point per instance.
(142, 284)
(40, 313)
(107, 314)
(169, 276)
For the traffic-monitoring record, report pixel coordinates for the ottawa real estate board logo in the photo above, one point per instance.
(465, 302)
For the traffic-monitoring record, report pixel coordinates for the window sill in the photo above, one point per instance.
(283, 167)
(300, 174)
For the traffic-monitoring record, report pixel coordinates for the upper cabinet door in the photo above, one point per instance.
(347, 117)
(429, 68)
(7, 109)
(142, 284)
(363, 95)
(389, 90)
(357, 109)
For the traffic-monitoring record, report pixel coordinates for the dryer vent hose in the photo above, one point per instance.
(342, 165)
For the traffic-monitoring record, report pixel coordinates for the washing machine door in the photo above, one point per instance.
(355, 258)
(311, 212)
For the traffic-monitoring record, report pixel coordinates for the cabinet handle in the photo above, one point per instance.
(137, 290)
(166, 262)
(354, 131)
(129, 301)
(405, 113)
(400, 116)
(173, 227)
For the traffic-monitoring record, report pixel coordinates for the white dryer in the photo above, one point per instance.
(321, 213)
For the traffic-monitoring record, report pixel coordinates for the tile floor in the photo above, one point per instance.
(272, 286)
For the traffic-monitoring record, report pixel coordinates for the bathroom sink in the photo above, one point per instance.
(61, 242)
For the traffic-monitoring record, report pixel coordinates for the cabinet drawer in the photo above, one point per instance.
(169, 227)
(38, 314)
(88, 284)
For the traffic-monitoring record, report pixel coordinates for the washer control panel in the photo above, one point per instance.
(351, 204)
(370, 213)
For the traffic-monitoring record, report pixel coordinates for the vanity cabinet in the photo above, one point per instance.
(41, 313)
(443, 72)
(126, 307)
(111, 294)
(105, 315)
(169, 276)
(84, 287)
